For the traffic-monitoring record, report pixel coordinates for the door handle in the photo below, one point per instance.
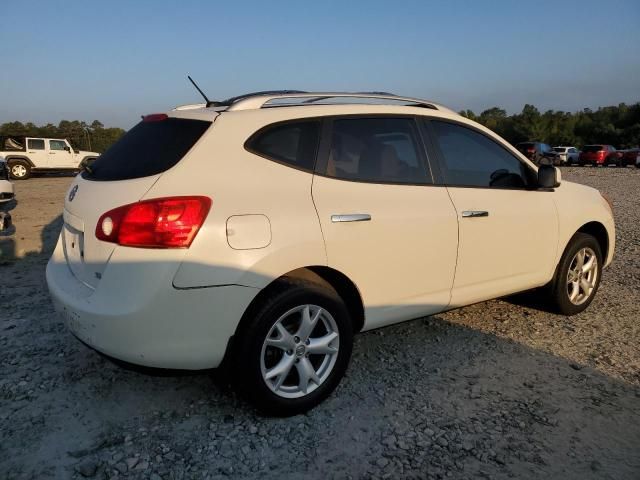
(474, 213)
(351, 217)
(52, 153)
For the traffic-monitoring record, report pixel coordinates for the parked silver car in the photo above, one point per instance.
(567, 155)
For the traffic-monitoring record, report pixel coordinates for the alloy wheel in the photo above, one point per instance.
(300, 351)
(582, 276)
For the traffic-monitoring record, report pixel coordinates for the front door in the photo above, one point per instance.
(60, 155)
(385, 225)
(508, 229)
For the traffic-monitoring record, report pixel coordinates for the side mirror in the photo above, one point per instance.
(67, 149)
(549, 176)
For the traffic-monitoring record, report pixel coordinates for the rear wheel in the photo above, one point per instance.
(19, 169)
(295, 349)
(577, 276)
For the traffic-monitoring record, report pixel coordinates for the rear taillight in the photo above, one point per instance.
(158, 223)
(531, 150)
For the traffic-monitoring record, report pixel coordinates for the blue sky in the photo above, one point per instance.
(115, 60)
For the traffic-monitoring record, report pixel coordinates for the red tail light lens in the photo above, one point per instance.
(531, 150)
(157, 223)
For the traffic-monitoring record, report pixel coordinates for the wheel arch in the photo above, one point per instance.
(600, 233)
(11, 158)
(343, 285)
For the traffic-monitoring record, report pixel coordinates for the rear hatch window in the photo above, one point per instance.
(149, 148)
(593, 148)
(559, 149)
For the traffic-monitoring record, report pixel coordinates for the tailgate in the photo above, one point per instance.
(86, 200)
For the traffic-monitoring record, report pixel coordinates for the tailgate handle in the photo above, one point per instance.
(474, 213)
(351, 217)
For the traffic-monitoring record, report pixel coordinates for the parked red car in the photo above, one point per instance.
(598, 155)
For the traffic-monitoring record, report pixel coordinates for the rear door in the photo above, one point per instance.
(37, 152)
(386, 226)
(508, 229)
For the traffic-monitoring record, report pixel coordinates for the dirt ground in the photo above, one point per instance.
(495, 390)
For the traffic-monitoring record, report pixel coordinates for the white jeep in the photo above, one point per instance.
(28, 154)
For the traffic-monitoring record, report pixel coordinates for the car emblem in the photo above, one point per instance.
(72, 193)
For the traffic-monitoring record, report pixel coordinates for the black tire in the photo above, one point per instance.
(557, 291)
(249, 341)
(19, 169)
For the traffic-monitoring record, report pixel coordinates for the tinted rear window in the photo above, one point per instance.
(559, 149)
(147, 149)
(522, 146)
(593, 148)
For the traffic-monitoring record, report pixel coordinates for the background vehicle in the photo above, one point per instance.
(6, 187)
(273, 278)
(27, 154)
(567, 155)
(537, 151)
(630, 157)
(598, 155)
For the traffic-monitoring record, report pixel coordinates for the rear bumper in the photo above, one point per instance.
(136, 315)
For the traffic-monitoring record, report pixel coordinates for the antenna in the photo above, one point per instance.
(209, 102)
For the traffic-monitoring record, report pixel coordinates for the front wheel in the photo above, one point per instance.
(578, 275)
(295, 349)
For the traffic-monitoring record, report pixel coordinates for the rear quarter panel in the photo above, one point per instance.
(241, 183)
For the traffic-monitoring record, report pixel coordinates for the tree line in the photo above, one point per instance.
(82, 136)
(615, 125)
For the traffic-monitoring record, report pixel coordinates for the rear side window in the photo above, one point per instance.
(35, 144)
(149, 148)
(292, 143)
(469, 158)
(377, 150)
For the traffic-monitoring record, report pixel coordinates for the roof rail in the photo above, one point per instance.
(263, 99)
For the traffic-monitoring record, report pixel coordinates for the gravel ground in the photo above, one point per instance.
(495, 390)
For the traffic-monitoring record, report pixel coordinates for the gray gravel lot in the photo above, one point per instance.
(494, 390)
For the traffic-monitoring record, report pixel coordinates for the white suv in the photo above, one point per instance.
(261, 233)
(567, 155)
(26, 154)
